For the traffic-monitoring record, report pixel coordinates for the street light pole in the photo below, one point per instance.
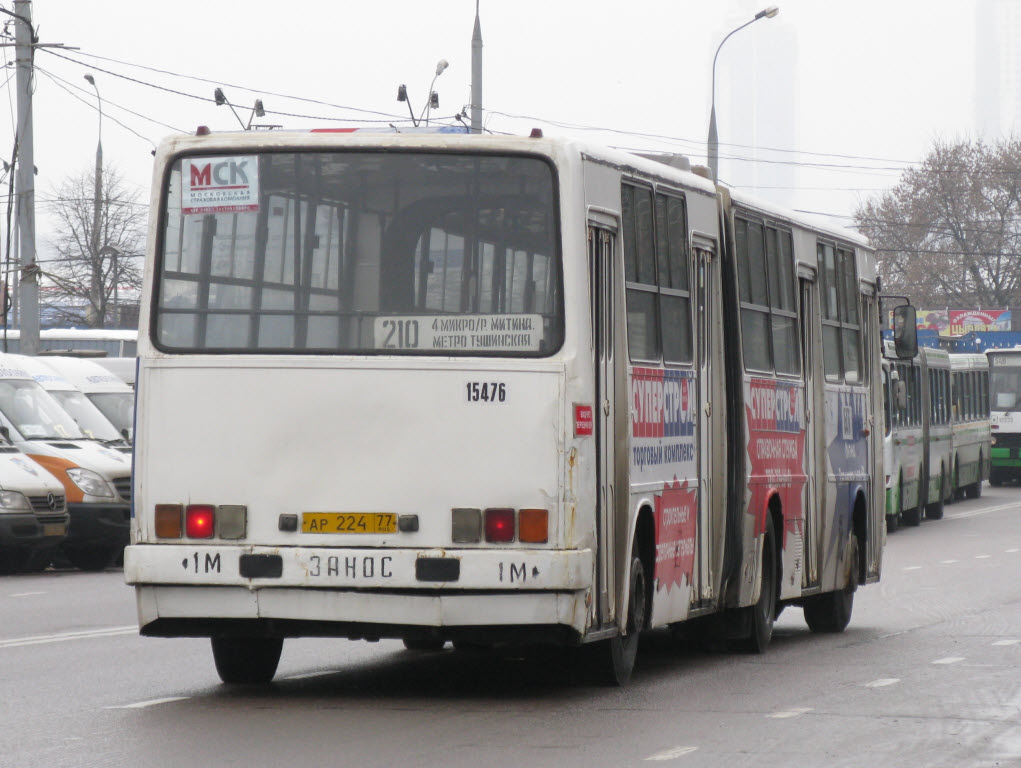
(95, 286)
(713, 149)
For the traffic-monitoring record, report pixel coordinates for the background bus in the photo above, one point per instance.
(545, 391)
(970, 443)
(112, 343)
(1005, 415)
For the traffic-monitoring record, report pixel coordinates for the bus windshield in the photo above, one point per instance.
(36, 415)
(1005, 388)
(360, 252)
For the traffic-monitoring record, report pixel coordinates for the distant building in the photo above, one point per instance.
(997, 68)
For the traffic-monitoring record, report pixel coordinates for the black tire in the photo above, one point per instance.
(616, 657)
(424, 643)
(995, 479)
(763, 614)
(37, 562)
(831, 611)
(958, 492)
(934, 510)
(246, 660)
(89, 558)
(892, 523)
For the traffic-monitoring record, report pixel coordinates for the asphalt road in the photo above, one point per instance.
(928, 674)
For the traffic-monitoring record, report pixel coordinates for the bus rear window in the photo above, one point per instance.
(360, 253)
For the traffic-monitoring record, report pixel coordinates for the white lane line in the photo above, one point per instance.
(977, 512)
(949, 660)
(1007, 642)
(982, 557)
(60, 637)
(883, 682)
(27, 594)
(1012, 550)
(150, 703)
(796, 712)
(949, 562)
(913, 568)
(671, 754)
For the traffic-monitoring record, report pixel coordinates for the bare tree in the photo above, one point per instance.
(88, 272)
(949, 233)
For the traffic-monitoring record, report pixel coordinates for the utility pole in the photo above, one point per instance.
(24, 39)
(97, 318)
(476, 115)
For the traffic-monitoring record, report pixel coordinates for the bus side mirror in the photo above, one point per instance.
(905, 332)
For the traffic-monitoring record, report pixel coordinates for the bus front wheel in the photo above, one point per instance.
(831, 611)
(246, 660)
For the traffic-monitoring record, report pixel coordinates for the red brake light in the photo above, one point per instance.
(199, 521)
(499, 525)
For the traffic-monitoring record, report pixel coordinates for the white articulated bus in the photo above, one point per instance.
(530, 389)
(971, 440)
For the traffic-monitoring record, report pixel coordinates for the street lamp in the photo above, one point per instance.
(97, 205)
(713, 150)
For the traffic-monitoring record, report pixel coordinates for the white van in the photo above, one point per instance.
(92, 421)
(96, 479)
(33, 513)
(107, 391)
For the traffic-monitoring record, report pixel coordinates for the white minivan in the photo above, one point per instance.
(92, 421)
(33, 513)
(96, 478)
(108, 392)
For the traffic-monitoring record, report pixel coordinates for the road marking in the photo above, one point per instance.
(150, 703)
(977, 512)
(982, 557)
(1007, 642)
(883, 682)
(949, 660)
(27, 594)
(949, 562)
(796, 712)
(1012, 551)
(671, 754)
(60, 637)
(913, 568)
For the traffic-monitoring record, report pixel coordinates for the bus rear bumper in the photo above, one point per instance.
(200, 591)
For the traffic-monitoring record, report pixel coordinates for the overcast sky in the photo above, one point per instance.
(876, 79)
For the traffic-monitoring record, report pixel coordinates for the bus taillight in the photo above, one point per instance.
(199, 521)
(499, 525)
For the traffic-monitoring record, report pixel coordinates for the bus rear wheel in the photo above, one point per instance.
(831, 611)
(618, 654)
(246, 660)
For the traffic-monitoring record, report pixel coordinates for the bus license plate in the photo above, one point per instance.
(348, 522)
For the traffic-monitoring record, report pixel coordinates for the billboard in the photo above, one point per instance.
(955, 322)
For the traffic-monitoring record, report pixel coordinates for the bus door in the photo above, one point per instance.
(705, 420)
(813, 423)
(876, 503)
(601, 255)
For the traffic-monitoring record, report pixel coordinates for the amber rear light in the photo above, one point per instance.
(168, 521)
(533, 526)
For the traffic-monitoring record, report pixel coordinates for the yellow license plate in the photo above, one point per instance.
(348, 522)
(54, 529)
